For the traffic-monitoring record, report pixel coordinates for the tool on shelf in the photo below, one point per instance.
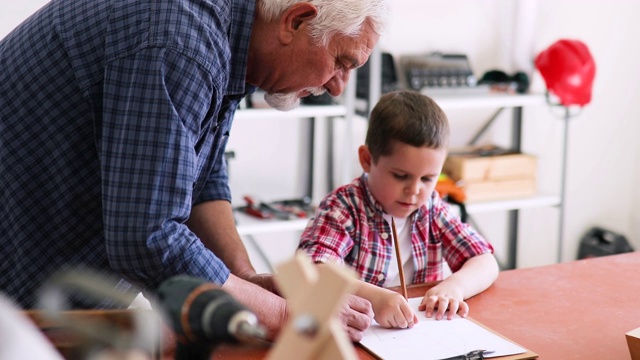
(283, 209)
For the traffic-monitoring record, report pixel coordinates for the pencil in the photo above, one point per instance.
(399, 259)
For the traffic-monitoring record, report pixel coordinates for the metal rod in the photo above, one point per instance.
(516, 145)
(485, 127)
(512, 252)
(516, 130)
(311, 149)
(260, 252)
(563, 184)
(330, 154)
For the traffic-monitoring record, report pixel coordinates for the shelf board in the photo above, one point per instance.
(250, 225)
(514, 204)
(302, 111)
(487, 100)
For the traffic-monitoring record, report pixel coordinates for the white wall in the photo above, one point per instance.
(13, 13)
(603, 167)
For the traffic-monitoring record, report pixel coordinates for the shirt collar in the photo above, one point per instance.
(371, 201)
(242, 17)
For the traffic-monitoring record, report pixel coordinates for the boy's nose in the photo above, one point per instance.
(412, 188)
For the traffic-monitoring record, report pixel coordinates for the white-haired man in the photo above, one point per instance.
(115, 116)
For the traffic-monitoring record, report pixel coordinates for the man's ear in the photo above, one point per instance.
(364, 155)
(294, 18)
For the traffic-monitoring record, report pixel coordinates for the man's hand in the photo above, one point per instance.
(265, 281)
(356, 315)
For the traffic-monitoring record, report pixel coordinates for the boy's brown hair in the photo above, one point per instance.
(409, 117)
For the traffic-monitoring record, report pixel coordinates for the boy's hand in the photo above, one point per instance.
(444, 298)
(392, 310)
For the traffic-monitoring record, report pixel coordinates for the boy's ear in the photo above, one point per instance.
(364, 155)
(294, 18)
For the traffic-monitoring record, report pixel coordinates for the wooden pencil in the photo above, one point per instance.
(403, 285)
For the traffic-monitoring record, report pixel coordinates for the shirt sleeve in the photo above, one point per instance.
(326, 237)
(153, 111)
(216, 186)
(460, 240)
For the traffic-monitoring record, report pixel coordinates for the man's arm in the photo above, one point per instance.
(213, 223)
(270, 308)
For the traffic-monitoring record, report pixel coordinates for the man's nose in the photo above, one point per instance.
(335, 86)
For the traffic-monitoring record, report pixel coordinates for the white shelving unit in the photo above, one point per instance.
(514, 204)
(486, 100)
(249, 226)
(496, 101)
(465, 99)
(503, 101)
(303, 111)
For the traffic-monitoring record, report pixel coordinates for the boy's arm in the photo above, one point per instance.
(390, 309)
(476, 275)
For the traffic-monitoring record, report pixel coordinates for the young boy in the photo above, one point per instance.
(403, 155)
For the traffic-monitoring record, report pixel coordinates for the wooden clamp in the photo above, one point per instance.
(314, 295)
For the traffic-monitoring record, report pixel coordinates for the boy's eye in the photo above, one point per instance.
(400, 176)
(426, 179)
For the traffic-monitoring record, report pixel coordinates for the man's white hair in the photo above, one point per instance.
(334, 16)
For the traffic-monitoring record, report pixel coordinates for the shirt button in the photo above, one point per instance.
(384, 236)
(380, 277)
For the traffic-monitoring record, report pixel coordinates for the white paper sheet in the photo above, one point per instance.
(432, 339)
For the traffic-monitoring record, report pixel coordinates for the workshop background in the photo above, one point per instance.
(603, 170)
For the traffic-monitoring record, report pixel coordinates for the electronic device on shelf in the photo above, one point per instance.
(388, 82)
(437, 70)
(389, 77)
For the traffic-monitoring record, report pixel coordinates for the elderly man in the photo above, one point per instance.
(114, 117)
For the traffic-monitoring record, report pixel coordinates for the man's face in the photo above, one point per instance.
(311, 69)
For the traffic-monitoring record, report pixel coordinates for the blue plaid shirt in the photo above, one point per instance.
(114, 117)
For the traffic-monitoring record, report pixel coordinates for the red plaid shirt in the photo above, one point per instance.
(348, 228)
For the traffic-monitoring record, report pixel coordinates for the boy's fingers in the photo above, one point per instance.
(464, 309)
(409, 316)
(401, 321)
(454, 306)
(443, 305)
(430, 303)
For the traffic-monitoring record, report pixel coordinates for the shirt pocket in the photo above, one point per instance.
(433, 271)
(371, 260)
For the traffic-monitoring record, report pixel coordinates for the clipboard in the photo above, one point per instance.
(440, 339)
(528, 354)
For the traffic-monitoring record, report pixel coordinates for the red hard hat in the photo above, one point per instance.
(568, 70)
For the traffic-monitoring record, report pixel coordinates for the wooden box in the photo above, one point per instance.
(499, 189)
(490, 173)
(488, 163)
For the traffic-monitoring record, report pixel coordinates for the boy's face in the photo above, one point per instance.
(404, 180)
